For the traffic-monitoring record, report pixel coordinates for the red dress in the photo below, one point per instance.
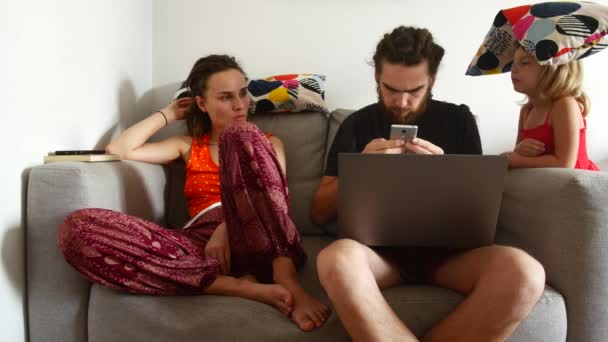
(544, 133)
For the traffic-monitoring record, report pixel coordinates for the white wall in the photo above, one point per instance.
(69, 71)
(338, 38)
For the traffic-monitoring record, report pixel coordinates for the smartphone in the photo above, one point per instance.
(404, 132)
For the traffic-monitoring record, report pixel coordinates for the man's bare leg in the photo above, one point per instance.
(246, 287)
(308, 312)
(502, 285)
(352, 274)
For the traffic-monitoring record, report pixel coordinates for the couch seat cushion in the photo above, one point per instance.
(116, 316)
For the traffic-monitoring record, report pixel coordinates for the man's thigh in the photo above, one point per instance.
(356, 256)
(461, 271)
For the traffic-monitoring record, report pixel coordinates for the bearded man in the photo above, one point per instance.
(501, 284)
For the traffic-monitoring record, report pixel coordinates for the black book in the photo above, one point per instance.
(76, 152)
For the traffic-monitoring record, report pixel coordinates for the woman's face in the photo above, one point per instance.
(525, 72)
(226, 98)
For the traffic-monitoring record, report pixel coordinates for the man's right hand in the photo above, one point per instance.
(381, 145)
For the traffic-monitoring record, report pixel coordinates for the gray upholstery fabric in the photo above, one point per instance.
(304, 136)
(57, 295)
(560, 217)
(335, 120)
(215, 318)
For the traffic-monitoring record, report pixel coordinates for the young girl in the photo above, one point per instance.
(552, 125)
(240, 232)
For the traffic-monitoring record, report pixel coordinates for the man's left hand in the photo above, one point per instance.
(421, 146)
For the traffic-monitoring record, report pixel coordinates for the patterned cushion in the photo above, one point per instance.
(555, 32)
(288, 93)
(281, 94)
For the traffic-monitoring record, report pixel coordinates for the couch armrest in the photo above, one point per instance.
(57, 295)
(560, 217)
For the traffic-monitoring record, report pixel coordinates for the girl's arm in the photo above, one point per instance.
(566, 122)
(131, 144)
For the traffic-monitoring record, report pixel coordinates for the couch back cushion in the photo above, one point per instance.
(304, 136)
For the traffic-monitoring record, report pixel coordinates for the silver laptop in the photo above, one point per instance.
(420, 200)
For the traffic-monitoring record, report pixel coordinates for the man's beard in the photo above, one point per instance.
(398, 116)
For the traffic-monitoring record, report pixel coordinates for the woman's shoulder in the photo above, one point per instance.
(274, 140)
(182, 142)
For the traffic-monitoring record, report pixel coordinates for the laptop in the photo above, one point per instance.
(420, 200)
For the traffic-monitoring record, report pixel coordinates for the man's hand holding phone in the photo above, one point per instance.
(421, 146)
(381, 145)
(414, 145)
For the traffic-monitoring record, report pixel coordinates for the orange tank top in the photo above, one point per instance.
(202, 185)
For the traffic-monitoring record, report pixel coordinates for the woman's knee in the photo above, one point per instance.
(241, 131)
(77, 228)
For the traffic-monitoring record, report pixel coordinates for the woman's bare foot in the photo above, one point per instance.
(274, 295)
(308, 313)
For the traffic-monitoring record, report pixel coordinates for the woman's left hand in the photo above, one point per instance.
(218, 247)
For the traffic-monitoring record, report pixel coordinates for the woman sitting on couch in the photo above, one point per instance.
(240, 232)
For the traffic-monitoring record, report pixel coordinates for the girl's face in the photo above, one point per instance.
(525, 73)
(226, 98)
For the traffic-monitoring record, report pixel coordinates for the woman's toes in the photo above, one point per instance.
(307, 325)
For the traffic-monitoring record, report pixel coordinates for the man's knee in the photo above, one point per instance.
(514, 276)
(340, 256)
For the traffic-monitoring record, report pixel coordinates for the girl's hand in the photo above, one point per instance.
(218, 247)
(530, 148)
(178, 109)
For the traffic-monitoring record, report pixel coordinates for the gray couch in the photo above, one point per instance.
(559, 216)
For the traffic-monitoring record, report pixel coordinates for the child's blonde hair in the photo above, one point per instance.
(556, 82)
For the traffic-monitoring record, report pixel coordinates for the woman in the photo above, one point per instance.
(240, 232)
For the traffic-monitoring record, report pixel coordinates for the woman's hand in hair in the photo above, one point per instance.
(178, 109)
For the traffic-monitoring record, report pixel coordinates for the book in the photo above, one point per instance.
(81, 157)
(70, 152)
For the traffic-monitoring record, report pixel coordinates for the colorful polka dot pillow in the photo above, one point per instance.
(288, 93)
(282, 94)
(555, 32)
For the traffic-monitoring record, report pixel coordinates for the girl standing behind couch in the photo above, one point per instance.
(240, 232)
(552, 125)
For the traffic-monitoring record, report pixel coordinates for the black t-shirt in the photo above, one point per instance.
(449, 126)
